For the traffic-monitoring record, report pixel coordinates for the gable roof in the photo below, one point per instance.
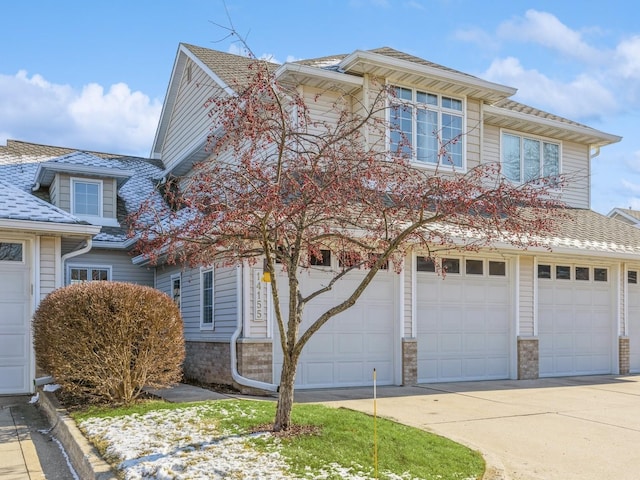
(25, 164)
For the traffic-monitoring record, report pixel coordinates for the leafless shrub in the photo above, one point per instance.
(106, 341)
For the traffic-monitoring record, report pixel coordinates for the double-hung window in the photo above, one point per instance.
(206, 299)
(525, 159)
(427, 127)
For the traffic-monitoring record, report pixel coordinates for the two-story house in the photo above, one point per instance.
(501, 313)
(498, 314)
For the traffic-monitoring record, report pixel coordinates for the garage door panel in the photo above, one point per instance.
(463, 328)
(15, 328)
(576, 325)
(347, 348)
(349, 344)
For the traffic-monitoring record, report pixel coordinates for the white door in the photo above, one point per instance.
(463, 323)
(633, 324)
(15, 327)
(575, 320)
(344, 352)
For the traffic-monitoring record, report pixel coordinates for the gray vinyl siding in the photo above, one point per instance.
(225, 300)
(60, 193)
(122, 270)
(574, 163)
(189, 123)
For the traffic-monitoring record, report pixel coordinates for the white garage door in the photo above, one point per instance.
(575, 320)
(463, 321)
(15, 337)
(346, 349)
(633, 324)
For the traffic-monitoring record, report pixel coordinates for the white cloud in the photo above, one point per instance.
(627, 58)
(36, 110)
(545, 29)
(582, 97)
(477, 36)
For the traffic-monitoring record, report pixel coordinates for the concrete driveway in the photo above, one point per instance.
(582, 428)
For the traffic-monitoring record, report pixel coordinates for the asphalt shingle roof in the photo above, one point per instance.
(19, 162)
(16, 204)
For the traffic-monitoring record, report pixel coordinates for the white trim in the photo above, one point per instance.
(536, 120)
(89, 267)
(439, 110)
(173, 278)
(208, 325)
(89, 181)
(414, 296)
(539, 138)
(49, 227)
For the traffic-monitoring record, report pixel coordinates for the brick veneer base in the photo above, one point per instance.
(623, 355)
(528, 359)
(409, 361)
(255, 360)
(208, 362)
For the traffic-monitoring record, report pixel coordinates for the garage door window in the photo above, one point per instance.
(563, 272)
(474, 267)
(426, 264)
(10, 252)
(582, 273)
(632, 276)
(544, 271)
(451, 265)
(600, 274)
(497, 269)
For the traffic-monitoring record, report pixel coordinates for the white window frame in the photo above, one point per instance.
(209, 324)
(522, 137)
(178, 277)
(23, 251)
(88, 267)
(99, 183)
(442, 162)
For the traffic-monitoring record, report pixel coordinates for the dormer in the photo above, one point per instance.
(84, 185)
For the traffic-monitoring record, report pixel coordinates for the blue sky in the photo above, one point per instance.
(93, 74)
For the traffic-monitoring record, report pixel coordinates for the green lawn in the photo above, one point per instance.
(343, 438)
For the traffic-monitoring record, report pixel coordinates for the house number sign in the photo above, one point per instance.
(261, 297)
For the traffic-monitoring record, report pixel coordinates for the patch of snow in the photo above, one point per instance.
(64, 453)
(51, 387)
(35, 398)
(187, 443)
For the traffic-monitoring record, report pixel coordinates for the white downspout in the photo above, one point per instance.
(247, 382)
(75, 253)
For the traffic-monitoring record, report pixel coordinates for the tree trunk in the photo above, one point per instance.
(285, 397)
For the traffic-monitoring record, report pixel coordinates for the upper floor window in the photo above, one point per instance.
(525, 159)
(428, 127)
(86, 197)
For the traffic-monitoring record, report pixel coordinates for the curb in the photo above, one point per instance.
(84, 458)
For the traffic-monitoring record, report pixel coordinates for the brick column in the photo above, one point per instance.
(528, 360)
(255, 360)
(409, 361)
(623, 355)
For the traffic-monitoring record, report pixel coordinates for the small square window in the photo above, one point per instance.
(474, 267)
(600, 274)
(426, 264)
(498, 269)
(323, 261)
(632, 276)
(582, 273)
(349, 259)
(563, 272)
(451, 265)
(544, 271)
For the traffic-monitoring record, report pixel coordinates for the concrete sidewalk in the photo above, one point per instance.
(18, 457)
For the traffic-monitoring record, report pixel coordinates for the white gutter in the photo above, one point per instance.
(75, 253)
(247, 382)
